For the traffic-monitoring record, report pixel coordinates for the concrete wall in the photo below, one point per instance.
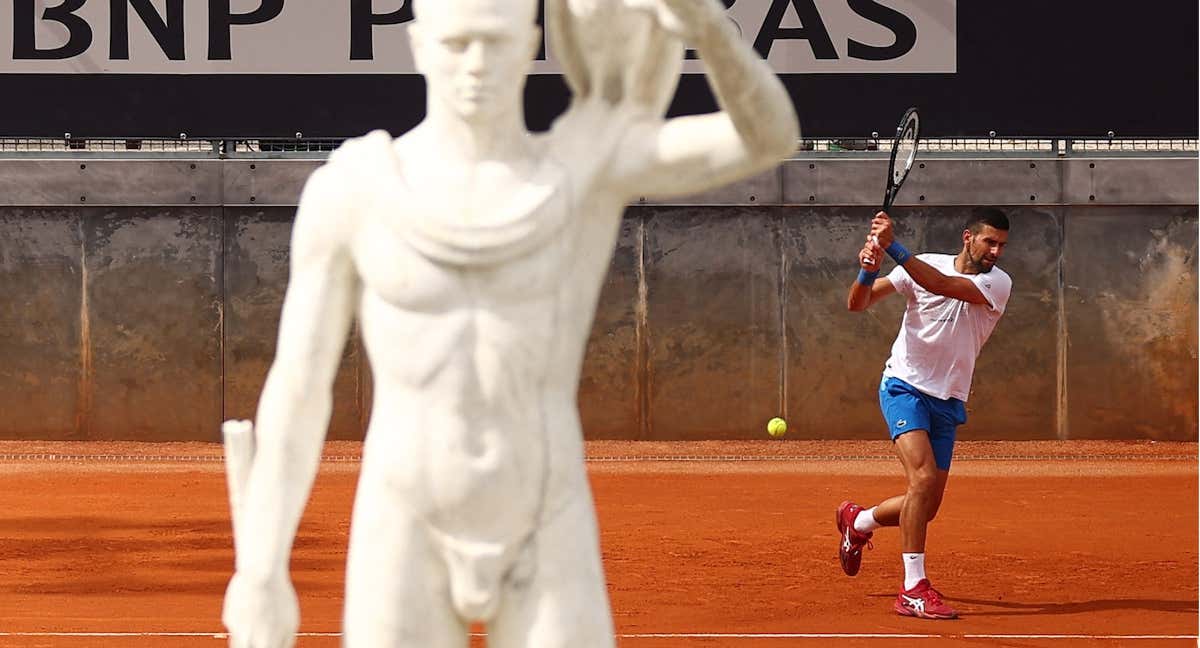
(141, 300)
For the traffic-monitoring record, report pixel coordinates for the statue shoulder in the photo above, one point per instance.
(350, 170)
(338, 190)
(357, 155)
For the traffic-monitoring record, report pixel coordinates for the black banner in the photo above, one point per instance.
(1077, 68)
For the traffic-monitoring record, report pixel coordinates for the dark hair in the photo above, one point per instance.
(981, 216)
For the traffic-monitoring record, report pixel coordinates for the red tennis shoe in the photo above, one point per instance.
(852, 542)
(923, 602)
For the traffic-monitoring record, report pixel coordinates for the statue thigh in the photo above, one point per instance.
(564, 603)
(397, 587)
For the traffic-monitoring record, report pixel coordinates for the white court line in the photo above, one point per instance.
(666, 635)
(811, 635)
(806, 458)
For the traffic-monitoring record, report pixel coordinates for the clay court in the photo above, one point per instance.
(705, 544)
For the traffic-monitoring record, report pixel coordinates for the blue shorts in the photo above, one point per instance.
(905, 408)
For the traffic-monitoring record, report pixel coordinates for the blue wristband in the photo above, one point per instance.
(898, 253)
(867, 278)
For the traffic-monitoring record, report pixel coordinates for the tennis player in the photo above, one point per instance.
(954, 302)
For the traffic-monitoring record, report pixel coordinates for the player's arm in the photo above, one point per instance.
(922, 273)
(868, 287)
(756, 128)
(297, 399)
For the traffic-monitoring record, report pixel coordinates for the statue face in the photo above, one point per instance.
(475, 54)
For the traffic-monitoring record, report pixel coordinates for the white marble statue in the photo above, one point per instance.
(472, 253)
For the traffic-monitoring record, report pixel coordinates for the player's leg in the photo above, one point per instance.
(923, 493)
(944, 420)
(397, 591)
(903, 410)
(887, 512)
(562, 601)
(926, 463)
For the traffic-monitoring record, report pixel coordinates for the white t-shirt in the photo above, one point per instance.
(941, 337)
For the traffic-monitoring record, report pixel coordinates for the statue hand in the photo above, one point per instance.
(684, 19)
(261, 615)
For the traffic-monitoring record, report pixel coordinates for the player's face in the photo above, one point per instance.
(475, 54)
(984, 249)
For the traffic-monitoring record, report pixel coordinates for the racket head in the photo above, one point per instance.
(904, 153)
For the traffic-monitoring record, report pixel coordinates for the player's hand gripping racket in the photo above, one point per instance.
(904, 154)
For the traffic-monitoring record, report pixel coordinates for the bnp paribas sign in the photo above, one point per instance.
(370, 36)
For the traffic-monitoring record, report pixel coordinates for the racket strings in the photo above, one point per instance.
(906, 152)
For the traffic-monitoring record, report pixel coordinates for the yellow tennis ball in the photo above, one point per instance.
(777, 427)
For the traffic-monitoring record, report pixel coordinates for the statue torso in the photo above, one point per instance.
(477, 296)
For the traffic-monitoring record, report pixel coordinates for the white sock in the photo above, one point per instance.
(865, 522)
(914, 569)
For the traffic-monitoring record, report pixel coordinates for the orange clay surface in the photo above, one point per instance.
(1093, 543)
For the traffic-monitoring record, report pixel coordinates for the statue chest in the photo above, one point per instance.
(435, 269)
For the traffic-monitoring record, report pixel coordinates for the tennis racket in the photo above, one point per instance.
(904, 153)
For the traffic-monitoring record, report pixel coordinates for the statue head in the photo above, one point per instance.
(475, 54)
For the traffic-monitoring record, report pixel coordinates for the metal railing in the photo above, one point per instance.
(134, 147)
(316, 148)
(1006, 146)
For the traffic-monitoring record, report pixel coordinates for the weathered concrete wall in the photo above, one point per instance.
(144, 304)
(1130, 302)
(112, 322)
(714, 330)
(152, 323)
(612, 385)
(42, 364)
(255, 247)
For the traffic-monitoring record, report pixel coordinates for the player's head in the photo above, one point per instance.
(984, 238)
(475, 54)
